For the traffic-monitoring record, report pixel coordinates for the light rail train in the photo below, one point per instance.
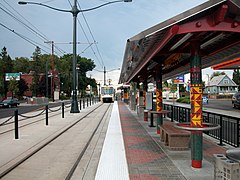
(107, 94)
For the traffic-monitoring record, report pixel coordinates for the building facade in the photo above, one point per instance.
(221, 84)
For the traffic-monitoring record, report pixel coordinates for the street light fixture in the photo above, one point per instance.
(74, 11)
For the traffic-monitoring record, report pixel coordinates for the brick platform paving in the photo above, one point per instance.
(146, 160)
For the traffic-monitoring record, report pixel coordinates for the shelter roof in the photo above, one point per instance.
(215, 24)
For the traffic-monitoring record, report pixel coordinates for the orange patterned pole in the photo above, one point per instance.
(159, 97)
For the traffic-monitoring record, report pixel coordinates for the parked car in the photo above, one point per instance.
(236, 100)
(10, 102)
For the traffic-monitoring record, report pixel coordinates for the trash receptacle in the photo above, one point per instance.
(233, 154)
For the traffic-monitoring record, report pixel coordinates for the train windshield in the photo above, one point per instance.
(107, 90)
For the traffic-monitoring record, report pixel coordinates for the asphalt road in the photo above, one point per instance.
(221, 104)
(24, 108)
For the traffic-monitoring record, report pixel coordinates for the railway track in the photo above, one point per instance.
(64, 155)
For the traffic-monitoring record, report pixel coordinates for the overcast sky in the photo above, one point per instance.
(107, 28)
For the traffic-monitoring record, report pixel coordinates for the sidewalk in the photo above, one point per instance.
(148, 158)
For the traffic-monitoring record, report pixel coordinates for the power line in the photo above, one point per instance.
(102, 62)
(33, 30)
(23, 37)
(40, 34)
(87, 38)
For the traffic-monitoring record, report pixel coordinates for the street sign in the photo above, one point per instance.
(11, 76)
(205, 100)
(179, 80)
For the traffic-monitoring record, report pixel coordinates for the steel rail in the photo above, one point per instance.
(11, 168)
(71, 172)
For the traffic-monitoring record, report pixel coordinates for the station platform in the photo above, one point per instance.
(130, 150)
(146, 156)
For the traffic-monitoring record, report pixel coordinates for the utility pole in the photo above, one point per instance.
(53, 74)
(104, 78)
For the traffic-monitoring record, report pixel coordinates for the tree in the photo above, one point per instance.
(217, 73)
(21, 65)
(37, 69)
(13, 87)
(165, 84)
(236, 77)
(65, 68)
(22, 87)
(6, 61)
(6, 66)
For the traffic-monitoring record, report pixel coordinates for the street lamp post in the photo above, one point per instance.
(74, 11)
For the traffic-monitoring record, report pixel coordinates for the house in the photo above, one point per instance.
(221, 84)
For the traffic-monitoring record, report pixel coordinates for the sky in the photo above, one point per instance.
(101, 33)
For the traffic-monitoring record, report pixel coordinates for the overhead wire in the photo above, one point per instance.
(102, 62)
(90, 44)
(38, 32)
(42, 36)
(33, 30)
(23, 37)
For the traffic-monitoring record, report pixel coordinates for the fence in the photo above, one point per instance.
(46, 109)
(230, 126)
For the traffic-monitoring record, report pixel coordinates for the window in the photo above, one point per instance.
(225, 81)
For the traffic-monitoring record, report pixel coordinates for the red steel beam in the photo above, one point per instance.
(225, 65)
(213, 22)
(171, 33)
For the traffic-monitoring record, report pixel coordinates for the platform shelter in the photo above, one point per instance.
(201, 37)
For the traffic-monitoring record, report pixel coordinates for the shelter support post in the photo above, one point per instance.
(145, 87)
(140, 100)
(159, 97)
(133, 96)
(125, 95)
(196, 104)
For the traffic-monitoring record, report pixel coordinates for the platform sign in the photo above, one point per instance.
(11, 76)
(149, 100)
(179, 80)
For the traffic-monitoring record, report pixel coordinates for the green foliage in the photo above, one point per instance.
(185, 99)
(37, 67)
(182, 88)
(21, 65)
(236, 77)
(217, 73)
(63, 97)
(22, 87)
(173, 86)
(13, 87)
(6, 66)
(165, 84)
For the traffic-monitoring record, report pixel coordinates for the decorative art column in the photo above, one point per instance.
(159, 97)
(196, 105)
